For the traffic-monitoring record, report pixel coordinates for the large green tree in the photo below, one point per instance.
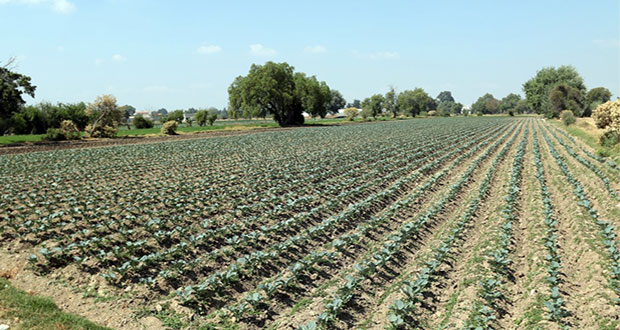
(373, 105)
(269, 89)
(537, 89)
(412, 102)
(313, 95)
(509, 103)
(486, 104)
(565, 97)
(595, 97)
(12, 87)
(336, 102)
(391, 102)
(445, 97)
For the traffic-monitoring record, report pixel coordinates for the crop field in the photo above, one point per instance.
(441, 223)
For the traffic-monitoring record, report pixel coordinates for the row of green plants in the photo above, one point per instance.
(606, 229)
(486, 310)
(555, 302)
(370, 264)
(402, 311)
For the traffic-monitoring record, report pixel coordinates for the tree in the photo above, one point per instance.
(509, 103)
(373, 106)
(565, 97)
(356, 104)
(336, 102)
(201, 117)
(212, 118)
(12, 86)
(594, 98)
(445, 97)
(314, 95)
(412, 102)
(351, 113)
(270, 89)
(128, 111)
(537, 89)
(176, 115)
(391, 103)
(105, 117)
(486, 104)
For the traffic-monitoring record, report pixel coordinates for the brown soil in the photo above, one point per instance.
(115, 313)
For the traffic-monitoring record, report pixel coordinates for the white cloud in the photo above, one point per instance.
(315, 49)
(210, 49)
(98, 62)
(607, 43)
(260, 50)
(119, 58)
(155, 89)
(58, 6)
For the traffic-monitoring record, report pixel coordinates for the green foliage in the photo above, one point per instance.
(432, 113)
(538, 88)
(567, 117)
(562, 97)
(170, 127)
(372, 106)
(609, 139)
(336, 102)
(595, 97)
(211, 119)
(391, 102)
(509, 103)
(486, 104)
(141, 122)
(201, 117)
(53, 134)
(176, 115)
(269, 89)
(315, 96)
(12, 86)
(69, 130)
(415, 102)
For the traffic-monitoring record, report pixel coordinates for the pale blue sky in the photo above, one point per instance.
(180, 54)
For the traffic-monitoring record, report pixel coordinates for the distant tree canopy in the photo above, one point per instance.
(105, 116)
(373, 106)
(412, 102)
(391, 102)
(447, 105)
(275, 89)
(538, 88)
(486, 104)
(12, 86)
(355, 104)
(595, 97)
(336, 102)
(509, 103)
(564, 97)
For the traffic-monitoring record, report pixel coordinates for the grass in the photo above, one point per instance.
(585, 130)
(36, 312)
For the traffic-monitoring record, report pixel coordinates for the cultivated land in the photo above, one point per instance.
(434, 223)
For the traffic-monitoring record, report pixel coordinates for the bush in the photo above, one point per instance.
(432, 113)
(609, 139)
(511, 113)
(101, 131)
(603, 152)
(608, 115)
(170, 127)
(69, 130)
(351, 113)
(567, 117)
(479, 114)
(141, 122)
(53, 134)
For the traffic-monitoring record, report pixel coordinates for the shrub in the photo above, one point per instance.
(53, 134)
(101, 131)
(567, 117)
(607, 114)
(141, 122)
(351, 113)
(169, 127)
(603, 152)
(69, 130)
(479, 114)
(609, 139)
(432, 113)
(511, 113)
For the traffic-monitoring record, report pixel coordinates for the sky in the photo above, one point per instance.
(181, 54)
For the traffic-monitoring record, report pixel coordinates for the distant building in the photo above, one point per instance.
(144, 114)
